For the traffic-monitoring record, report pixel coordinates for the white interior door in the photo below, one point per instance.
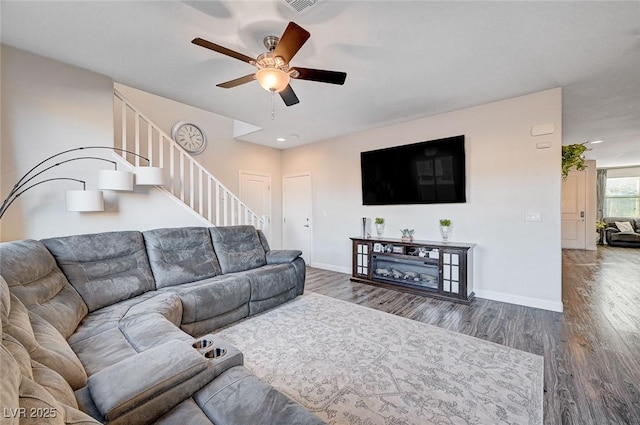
(296, 212)
(574, 210)
(255, 191)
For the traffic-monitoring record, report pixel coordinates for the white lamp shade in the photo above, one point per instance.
(115, 180)
(272, 79)
(149, 176)
(85, 200)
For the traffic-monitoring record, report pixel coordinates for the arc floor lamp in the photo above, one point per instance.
(87, 200)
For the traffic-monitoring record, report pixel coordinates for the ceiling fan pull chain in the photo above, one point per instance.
(273, 105)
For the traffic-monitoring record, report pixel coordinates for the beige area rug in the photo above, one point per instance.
(354, 365)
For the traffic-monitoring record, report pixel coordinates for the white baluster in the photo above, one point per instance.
(200, 187)
(191, 188)
(209, 199)
(136, 136)
(182, 176)
(226, 209)
(123, 142)
(172, 171)
(217, 204)
(150, 143)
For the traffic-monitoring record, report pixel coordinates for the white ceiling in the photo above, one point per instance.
(404, 59)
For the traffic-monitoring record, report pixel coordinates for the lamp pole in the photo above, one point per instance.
(27, 177)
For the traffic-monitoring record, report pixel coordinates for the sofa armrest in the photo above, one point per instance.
(130, 383)
(282, 256)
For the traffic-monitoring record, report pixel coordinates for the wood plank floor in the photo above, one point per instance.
(591, 351)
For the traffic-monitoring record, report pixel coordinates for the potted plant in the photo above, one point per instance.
(600, 226)
(572, 156)
(407, 235)
(445, 229)
(379, 226)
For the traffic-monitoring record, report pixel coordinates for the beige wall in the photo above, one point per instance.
(515, 260)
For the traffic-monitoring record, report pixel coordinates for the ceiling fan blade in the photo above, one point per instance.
(320, 75)
(291, 41)
(217, 48)
(289, 96)
(237, 81)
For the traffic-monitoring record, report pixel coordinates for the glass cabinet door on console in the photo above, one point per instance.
(427, 268)
(361, 259)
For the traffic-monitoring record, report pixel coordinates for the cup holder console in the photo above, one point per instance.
(202, 343)
(217, 352)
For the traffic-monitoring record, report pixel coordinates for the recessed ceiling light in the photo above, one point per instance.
(596, 142)
(281, 139)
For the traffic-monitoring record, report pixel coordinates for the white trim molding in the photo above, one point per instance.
(520, 300)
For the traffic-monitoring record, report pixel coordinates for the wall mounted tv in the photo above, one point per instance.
(430, 172)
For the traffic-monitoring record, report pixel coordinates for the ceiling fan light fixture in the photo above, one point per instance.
(273, 79)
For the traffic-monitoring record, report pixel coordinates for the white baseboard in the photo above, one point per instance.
(331, 267)
(489, 295)
(519, 300)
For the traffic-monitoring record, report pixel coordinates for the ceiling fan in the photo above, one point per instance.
(274, 71)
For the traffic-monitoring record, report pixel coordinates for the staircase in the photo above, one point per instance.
(186, 180)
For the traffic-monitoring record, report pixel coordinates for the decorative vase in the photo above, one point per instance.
(445, 231)
(406, 238)
(379, 229)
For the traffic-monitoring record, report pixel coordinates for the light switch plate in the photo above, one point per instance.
(532, 216)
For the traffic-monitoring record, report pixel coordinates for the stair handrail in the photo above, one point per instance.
(162, 135)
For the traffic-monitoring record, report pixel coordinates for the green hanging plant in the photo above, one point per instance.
(572, 156)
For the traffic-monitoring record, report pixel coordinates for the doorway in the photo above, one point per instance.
(574, 211)
(296, 214)
(255, 192)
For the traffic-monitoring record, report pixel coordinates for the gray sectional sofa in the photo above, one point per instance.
(616, 237)
(115, 327)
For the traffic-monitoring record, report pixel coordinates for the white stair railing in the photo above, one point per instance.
(185, 179)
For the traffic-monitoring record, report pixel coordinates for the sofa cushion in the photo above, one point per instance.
(263, 240)
(271, 280)
(33, 276)
(239, 397)
(212, 297)
(282, 256)
(121, 330)
(187, 412)
(626, 237)
(41, 407)
(5, 302)
(54, 383)
(44, 343)
(119, 389)
(10, 388)
(238, 248)
(624, 226)
(181, 255)
(104, 268)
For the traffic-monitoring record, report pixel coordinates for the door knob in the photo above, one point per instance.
(306, 225)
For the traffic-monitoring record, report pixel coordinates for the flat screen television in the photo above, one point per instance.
(430, 172)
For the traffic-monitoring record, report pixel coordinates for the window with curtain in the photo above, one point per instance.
(622, 197)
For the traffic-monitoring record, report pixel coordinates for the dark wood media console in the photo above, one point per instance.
(435, 269)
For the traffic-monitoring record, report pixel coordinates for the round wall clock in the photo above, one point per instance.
(190, 136)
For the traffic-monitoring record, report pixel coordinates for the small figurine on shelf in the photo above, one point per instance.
(407, 235)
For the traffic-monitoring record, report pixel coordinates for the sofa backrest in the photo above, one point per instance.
(181, 255)
(635, 222)
(104, 267)
(33, 391)
(238, 248)
(263, 240)
(33, 276)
